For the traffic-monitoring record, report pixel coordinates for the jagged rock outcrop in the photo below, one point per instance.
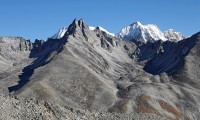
(106, 40)
(11, 46)
(12, 51)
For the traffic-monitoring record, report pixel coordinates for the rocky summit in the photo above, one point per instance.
(85, 72)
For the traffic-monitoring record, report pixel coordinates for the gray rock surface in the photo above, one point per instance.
(16, 108)
(90, 71)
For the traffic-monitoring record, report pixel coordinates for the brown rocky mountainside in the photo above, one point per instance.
(89, 74)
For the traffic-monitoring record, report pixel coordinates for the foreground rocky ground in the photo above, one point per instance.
(14, 108)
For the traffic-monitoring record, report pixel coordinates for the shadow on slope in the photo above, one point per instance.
(43, 54)
(166, 57)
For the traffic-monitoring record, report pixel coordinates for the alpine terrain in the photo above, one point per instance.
(85, 72)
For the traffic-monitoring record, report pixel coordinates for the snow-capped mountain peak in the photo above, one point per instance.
(141, 32)
(149, 32)
(91, 27)
(173, 36)
(60, 33)
(102, 29)
(137, 23)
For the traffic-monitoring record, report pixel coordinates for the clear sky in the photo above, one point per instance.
(40, 19)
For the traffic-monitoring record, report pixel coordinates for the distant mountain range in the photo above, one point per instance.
(85, 72)
(149, 32)
(136, 31)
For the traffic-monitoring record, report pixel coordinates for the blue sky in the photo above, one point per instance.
(40, 19)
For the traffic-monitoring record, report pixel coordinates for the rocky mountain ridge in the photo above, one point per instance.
(136, 31)
(90, 69)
